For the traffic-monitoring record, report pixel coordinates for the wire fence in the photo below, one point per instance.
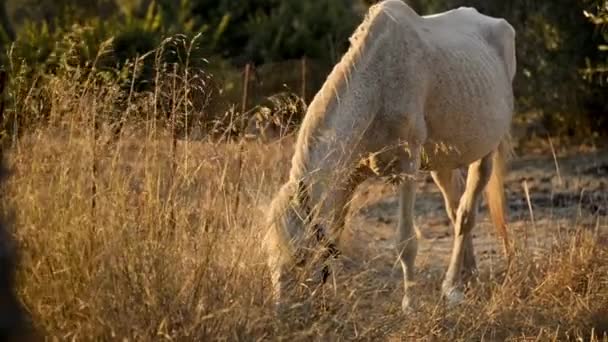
(254, 83)
(240, 94)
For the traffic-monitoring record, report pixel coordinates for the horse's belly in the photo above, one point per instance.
(436, 156)
(458, 140)
(466, 120)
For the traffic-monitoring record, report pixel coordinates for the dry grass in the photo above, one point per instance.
(170, 256)
(171, 248)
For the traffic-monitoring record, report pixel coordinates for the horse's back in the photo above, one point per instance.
(470, 102)
(496, 33)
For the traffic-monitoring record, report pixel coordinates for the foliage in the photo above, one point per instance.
(128, 51)
(273, 30)
(597, 71)
(38, 43)
(557, 45)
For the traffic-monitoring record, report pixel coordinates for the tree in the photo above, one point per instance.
(273, 30)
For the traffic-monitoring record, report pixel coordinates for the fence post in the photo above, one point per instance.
(245, 87)
(303, 78)
(174, 111)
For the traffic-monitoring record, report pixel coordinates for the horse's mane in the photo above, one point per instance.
(337, 83)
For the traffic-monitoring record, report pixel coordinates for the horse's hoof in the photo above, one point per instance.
(453, 296)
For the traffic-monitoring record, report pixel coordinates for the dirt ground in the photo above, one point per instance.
(566, 193)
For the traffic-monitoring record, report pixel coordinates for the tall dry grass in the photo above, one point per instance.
(160, 240)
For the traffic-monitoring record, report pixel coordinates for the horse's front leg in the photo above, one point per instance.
(334, 208)
(477, 178)
(407, 243)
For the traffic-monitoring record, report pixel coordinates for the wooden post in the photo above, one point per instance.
(245, 87)
(174, 111)
(303, 78)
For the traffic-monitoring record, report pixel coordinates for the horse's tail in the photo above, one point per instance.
(495, 191)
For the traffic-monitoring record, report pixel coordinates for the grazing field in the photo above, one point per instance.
(169, 248)
(137, 204)
(138, 234)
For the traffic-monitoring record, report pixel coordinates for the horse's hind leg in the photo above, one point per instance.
(407, 243)
(477, 178)
(451, 184)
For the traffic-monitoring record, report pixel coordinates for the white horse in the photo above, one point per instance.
(412, 93)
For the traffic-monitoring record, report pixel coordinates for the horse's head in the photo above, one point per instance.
(286, 222)
(295, 246)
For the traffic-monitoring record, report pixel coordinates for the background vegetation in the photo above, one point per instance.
(561, 46)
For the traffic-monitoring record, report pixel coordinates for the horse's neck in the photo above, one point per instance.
(333, 139)
(333, 129)
(333, 134)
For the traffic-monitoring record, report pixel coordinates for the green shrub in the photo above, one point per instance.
(264, 31)
(596, 71)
